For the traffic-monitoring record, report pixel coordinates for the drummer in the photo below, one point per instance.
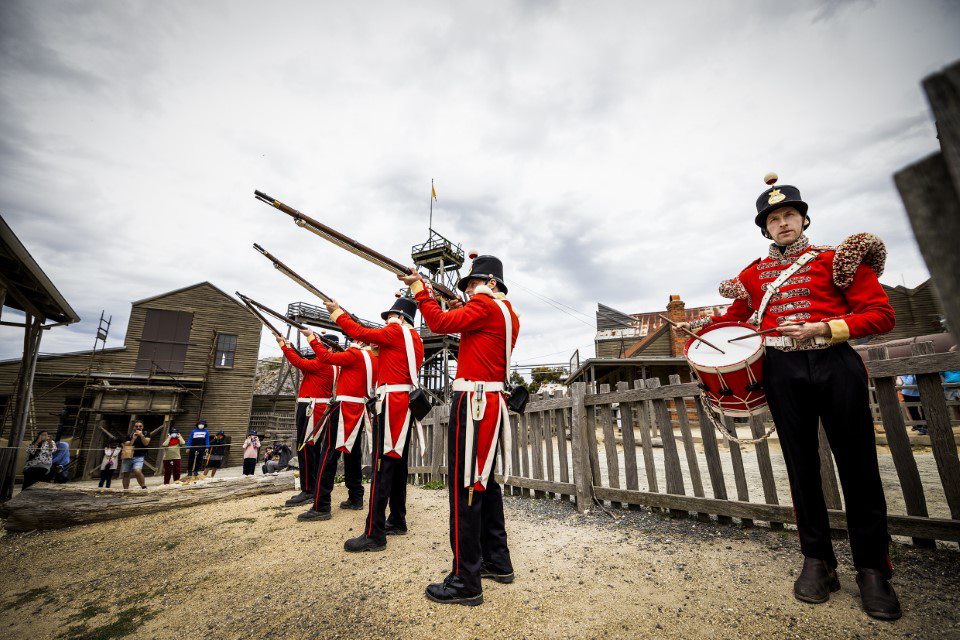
(811, 374)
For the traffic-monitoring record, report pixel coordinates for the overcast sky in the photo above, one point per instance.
(606, 151)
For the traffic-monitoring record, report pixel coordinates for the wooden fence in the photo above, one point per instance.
(601, 446)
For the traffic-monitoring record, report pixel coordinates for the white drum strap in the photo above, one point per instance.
(722, 428)
(757, 318)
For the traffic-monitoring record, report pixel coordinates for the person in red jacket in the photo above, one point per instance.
(488, 328)
(400, 352)
(347, 418)
(816, 299)
(316, 387)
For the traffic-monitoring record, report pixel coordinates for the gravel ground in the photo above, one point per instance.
(248, 569)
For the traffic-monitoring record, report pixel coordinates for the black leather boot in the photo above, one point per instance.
(453, 591)
(363, 543)
(300, 498)
(350, 504)
(486, 571)
(817, 580)
(395, 531)
(877, 596)
(313, 515)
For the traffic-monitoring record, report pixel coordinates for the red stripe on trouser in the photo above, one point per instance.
(326, 454)
(456, 490)
(373, 480)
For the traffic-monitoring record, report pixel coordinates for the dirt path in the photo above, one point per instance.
(248, 569)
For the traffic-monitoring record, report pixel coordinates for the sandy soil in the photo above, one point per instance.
(248, 569)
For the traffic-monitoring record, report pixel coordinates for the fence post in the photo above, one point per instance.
(582, 474)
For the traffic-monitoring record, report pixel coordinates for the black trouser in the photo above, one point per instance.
(308, 457)
(106, 475)
(478, 534)
(249, 466)
(388, 486)
(829, 384)
(195, 461)
(327, 467)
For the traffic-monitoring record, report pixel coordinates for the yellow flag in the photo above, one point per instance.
(433, 192)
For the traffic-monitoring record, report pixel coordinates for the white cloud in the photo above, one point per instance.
(607, 151)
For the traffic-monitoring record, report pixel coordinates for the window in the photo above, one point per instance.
(164, 341)
(226, 348)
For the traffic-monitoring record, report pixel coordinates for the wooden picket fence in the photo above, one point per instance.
(582, 447)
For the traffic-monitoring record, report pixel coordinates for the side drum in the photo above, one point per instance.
(730, 378)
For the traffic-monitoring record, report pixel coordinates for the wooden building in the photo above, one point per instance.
(187, 354)
(919, 311)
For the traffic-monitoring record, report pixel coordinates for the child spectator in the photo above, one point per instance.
(111, 457)
(251, 449)
(217, 450)
(171, 456)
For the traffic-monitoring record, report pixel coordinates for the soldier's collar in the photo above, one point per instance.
(487, 291)
(795, 248)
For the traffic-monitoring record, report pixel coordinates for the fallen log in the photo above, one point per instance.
(48, 506)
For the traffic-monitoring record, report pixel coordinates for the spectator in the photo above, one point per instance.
(111, 457)
(39, 459)
(251, 449)
(910, 392)
(171, 456)
(199, 443)
(138, 441)
(277, 458)
(217, 448)
(60, 469)
(952, 393)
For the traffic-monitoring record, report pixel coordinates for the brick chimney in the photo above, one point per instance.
(675, 311)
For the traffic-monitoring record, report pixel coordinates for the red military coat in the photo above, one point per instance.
(393, 370)
(482, 358)
(358, 378)
(839, 287)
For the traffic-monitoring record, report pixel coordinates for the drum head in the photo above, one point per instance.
(701, 354)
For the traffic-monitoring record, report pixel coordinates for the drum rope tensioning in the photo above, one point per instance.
(729, 377)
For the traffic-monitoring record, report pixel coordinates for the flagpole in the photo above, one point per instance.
(431, 206)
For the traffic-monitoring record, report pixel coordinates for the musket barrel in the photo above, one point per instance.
(347, 243)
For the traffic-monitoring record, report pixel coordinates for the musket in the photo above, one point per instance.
(351, 245)
(276, 314)
(296, 277)
(259, 315)
(290, 273)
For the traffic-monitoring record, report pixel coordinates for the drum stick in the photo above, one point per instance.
(765, 331)
(690, 333)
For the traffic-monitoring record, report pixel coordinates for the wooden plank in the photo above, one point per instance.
(546, 423)
(629, 443)
(540, 486)
(605, 412)
(582, 478)
(671, 456)
(762, 450)
(828, 474)
(643, 393)
(561, 402)
(910, 365)
(693, 464)
(524, 451)
(899, 441)
(934, 528)
(514, 426)
(736, 457)
(646, 442)
(712, 452)
(562, 431)
(941, 433)
(536, 443)
(592, 446)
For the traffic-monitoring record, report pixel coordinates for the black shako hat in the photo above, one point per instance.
(406, 307)
(484, 268)
(330, 339)
(778, 196)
